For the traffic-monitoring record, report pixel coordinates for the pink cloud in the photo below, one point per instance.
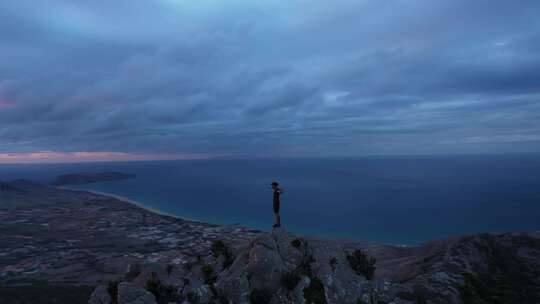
(6, 104)
(84, 156)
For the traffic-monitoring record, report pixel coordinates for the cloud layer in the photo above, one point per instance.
(262, 78)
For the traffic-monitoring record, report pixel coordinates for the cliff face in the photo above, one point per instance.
(279, 267)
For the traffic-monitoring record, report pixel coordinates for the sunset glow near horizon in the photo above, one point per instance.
(166, 79)
(75, 157)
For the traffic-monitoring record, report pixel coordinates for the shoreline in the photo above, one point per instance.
(136, 204)
(163, 213)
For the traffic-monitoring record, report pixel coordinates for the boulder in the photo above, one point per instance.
(128, 293)
(265, 264)
(100, 296)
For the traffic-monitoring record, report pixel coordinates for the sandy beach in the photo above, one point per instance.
(132, 202)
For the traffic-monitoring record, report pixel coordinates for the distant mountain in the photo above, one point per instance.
(85, 178)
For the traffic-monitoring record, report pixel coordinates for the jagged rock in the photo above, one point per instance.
(129, 293)
(233, 282)
(264, 258)
(290, 254)
(479, 269)
(298, 292)
(100, 296)
(342, 284)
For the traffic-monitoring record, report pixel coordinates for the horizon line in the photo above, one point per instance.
(141, 157)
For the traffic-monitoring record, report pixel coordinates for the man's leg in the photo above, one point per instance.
(278, 219)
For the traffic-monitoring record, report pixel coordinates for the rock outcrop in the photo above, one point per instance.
(279, 267)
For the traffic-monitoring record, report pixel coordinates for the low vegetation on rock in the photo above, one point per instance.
(296, 243)
(112, 289)
(290, 279)
(208, 274)
(192, 297)
(362, 264)
(260, 296)
(314, 292)
(333, 262)
(164, 293)
(221, 249)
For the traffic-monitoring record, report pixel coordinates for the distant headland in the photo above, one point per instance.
(86, 178)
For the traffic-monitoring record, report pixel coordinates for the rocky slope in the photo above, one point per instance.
(57, 239)
(279, 267)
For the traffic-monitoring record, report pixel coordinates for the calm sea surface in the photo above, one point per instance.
(405, 200)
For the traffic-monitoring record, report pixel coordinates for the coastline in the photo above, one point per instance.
(138, 204)
(134, 203)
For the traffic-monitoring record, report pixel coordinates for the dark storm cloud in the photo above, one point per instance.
(270, 77)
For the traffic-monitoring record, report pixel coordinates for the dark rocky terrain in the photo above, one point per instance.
(86, 178)
(64, 244)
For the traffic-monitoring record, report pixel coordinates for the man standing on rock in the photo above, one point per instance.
(277, 193)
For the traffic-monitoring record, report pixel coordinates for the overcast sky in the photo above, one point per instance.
(178, 78)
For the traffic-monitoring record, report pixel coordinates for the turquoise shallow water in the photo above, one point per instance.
(404, 200)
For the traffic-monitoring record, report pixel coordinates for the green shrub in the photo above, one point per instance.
(305, 266)
(260, 296)
(208, 274)
(164, 293)
(362, 264)
(112, 289)
(192, 297)
(314, 292)
(290, 279)
(333, 262)
(219, 248)
(169, 268)
(296, 243)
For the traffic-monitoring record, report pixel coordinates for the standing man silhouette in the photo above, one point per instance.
(277, 193)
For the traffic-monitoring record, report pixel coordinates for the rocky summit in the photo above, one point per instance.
(63, 246)
(279, 267)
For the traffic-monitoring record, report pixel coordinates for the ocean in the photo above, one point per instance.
(395, 199)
